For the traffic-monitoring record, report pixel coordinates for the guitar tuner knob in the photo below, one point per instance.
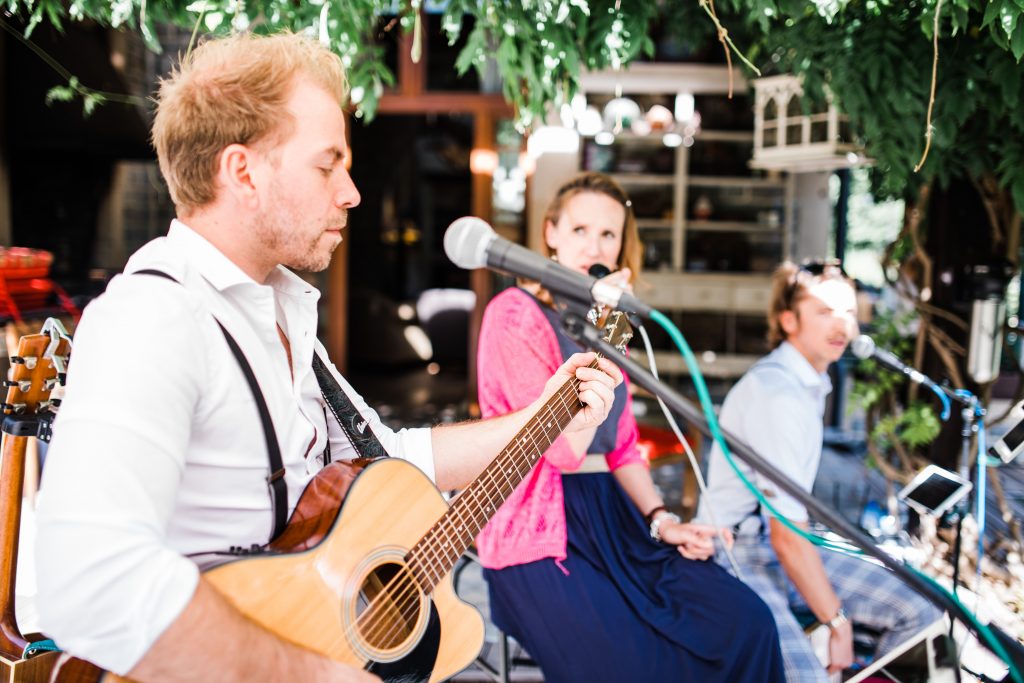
(13, 408)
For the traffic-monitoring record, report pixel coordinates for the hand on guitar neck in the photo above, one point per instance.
(590, 367)
(584, 379)
(584, 367)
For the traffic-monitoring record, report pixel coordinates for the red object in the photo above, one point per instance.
(658, 442)
(25, 285)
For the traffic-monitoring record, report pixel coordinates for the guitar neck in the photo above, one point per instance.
(436, 553)
(12, 477)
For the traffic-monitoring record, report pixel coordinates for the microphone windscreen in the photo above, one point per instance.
(599, 270)
(466, 242)
(863, 347)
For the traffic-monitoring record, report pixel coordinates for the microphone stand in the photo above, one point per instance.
(579, 330)
(970, 410)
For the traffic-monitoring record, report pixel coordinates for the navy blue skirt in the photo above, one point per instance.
(629, 608)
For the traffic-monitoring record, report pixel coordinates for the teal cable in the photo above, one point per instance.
(716, 433)
(983, 629)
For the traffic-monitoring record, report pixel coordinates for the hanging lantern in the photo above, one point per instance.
(786, 138)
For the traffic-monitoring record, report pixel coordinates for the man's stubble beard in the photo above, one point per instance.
(274, 237)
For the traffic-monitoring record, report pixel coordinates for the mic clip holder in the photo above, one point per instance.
(574, 314)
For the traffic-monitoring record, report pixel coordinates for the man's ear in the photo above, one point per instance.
(789, 322)
(235, 173)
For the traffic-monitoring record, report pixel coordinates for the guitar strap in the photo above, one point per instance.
(355, 426)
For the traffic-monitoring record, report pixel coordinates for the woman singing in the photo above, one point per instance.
(584, 565)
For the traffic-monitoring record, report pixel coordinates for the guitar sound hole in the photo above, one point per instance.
(388, 606)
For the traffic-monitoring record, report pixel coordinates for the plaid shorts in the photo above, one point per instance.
(871, 594)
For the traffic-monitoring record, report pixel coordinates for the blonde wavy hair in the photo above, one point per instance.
(232, 90)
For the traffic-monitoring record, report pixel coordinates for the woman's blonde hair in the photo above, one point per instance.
(232, 90)
(598, 183)
(790, 283)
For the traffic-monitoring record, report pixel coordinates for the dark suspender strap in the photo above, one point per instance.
(356, 428)
(275, 480)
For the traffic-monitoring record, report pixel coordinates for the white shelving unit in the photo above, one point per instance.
(722, 297)
(755, 208)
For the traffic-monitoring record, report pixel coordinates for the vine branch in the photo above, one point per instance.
(931, 97)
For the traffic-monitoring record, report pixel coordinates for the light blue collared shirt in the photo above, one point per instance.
(777, 409)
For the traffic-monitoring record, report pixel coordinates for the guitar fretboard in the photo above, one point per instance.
(436, 553)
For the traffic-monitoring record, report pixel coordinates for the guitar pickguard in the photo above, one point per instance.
(417, 666)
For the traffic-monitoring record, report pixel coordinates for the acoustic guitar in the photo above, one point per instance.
(362, 571)
(36, 369)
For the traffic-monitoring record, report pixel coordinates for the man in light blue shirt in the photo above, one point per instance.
(777, 408)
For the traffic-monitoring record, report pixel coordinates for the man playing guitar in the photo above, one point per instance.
(160, 452)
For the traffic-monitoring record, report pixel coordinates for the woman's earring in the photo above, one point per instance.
(554, 257)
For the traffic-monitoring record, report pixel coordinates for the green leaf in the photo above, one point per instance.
(1017, 41)
(212, 20)
(59, 93)
(920, 425)
(1008, 77)
(90, 102)
(1008, 17)
(991, 12)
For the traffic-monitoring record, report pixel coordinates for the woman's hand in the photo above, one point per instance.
(694, 541)
(620, 279)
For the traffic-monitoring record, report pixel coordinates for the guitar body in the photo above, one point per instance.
(342, 588)
(34, 670)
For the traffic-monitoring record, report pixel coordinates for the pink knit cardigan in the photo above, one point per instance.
(518, 353)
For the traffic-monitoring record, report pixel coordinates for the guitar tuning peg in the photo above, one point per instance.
(13, 408)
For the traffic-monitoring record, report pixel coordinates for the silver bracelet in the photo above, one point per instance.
(658, 521)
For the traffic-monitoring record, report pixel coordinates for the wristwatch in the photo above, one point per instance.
(656, 523)
(838, 620)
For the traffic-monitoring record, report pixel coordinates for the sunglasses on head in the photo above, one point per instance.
(809, 269)
(818, 267)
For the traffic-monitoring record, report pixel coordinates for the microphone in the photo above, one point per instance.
(471, 243)
(864, 347)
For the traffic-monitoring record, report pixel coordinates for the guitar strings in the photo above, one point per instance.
(383, 606)
(407, 594)
(407, 597)
(408, 590)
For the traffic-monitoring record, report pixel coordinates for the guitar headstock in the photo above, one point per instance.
(39, 365)
(617, 330)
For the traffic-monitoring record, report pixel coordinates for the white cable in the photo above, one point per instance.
(690, 454)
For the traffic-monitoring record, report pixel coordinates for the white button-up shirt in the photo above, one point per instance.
(777, 409)
(158, 451)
